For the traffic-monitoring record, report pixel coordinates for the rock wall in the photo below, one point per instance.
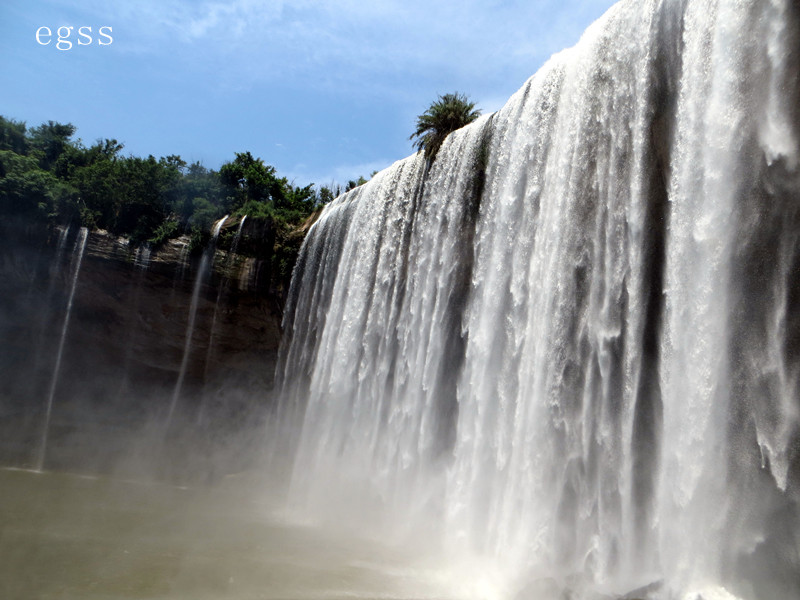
(124, 348)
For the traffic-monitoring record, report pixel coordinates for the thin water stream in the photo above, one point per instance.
(206, 263)
(77, 258)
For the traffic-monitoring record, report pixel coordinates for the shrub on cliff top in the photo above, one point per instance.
(445, 115)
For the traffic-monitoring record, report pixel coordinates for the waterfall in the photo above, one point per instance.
(141, 257)
(183, 262)
(568, 348)
(202, 270)
(75, 269)
(222, 290)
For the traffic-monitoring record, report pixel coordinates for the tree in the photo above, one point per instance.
(326, 194)
(49, 141)
(96, 173)
(201, 199)
(13, 136)
(146, 192)
(445, 115)
(249, 179)
(27, 190)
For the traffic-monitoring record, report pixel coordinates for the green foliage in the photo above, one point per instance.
(25, 189)
(287, 249)
(46, 175)
(13, 136)
(200, 213)
(166, 231)
(198, 239)
(255, 209)
(354, 184)
(145, 197)
(49, 141)
(445, 115)
(250, 182)
(97, 176)
(249, 179)
(326, 195)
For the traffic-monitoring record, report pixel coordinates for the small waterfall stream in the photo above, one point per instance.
(223, 288)
(206, 263)
(75, 269)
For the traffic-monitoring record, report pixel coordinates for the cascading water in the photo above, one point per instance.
(202, 270)
(223, 288)
(571, 343)
(75, 266)
(141, 257)
(183, 263)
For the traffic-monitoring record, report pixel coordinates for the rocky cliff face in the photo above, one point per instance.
(125, 345)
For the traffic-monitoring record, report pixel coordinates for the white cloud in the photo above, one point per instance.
(350, 42)
(334, 80)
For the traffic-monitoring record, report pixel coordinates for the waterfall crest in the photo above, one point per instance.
(571, 342)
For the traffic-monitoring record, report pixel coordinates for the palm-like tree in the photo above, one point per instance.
(445, 115)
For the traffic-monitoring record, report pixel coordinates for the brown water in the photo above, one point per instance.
(65, 536)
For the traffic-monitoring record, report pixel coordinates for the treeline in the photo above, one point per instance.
(48, 175)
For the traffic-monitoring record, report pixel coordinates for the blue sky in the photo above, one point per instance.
(324, 90)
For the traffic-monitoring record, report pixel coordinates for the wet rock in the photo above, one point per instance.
(125, 343)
